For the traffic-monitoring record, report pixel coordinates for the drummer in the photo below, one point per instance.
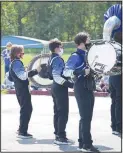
(83, 88)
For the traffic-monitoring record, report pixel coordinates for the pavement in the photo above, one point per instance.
(41, 126)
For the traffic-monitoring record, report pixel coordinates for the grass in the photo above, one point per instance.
(26, 60)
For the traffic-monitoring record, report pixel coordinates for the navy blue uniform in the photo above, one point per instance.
(59, 91)
(115, 82)
(83, 89)
(19, 76)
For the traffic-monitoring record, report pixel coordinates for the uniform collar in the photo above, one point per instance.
(54, 54)
(81, 51)
(17, 58)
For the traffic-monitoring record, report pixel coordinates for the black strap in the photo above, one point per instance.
(10, 69)
(52, 59)
(14, 61)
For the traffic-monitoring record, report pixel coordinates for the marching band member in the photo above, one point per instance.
(113, 29)
(6, 56)
(83, 89)
(59, 91)
(19, 76)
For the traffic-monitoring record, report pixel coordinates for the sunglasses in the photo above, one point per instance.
(22, 53)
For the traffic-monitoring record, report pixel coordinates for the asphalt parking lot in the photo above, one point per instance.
(41, 126)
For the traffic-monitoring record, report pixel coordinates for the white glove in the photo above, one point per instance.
(87, 71)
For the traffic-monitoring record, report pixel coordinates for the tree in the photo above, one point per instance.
(47, 20)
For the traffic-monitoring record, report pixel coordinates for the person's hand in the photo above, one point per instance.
(68, 84)
(87, 71)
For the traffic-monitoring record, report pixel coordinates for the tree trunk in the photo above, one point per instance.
(20, 26)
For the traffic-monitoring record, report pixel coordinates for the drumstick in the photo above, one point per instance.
(94, 60)
(40, 60)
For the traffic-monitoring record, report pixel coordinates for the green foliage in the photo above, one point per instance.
(46, 20)
(4, 91)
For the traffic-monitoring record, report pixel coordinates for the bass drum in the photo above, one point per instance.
(105, 58)
(37, 80)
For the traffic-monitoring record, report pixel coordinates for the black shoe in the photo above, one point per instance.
(89, 149)
(115, 132)
(119, 131)
(80, 145)
(62, 141)
(24, 135)
(70, 141)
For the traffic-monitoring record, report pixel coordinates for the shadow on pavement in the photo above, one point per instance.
(103, 148)
(35, 141)
(63, 148)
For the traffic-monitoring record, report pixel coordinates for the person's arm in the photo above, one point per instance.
(57, 69)
(71, 67)
(20, 72)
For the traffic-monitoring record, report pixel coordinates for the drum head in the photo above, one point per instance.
(101, 57)
(37, 79)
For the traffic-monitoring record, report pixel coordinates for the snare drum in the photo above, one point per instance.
(105, 58)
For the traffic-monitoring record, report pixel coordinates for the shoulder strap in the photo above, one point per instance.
(14, 61)
(51, 60)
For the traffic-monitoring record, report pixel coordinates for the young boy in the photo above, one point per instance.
(83, 89)
(59, 91)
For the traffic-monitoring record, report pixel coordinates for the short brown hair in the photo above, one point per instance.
(15, 50)
(54, 43)
(81, 38)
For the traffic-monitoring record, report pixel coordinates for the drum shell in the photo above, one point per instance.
(116, 67)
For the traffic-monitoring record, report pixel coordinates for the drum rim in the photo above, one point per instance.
(30, 68)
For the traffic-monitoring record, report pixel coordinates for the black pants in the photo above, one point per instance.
(61, 108)
(85, 101)
(24, 99)
(115, 84)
